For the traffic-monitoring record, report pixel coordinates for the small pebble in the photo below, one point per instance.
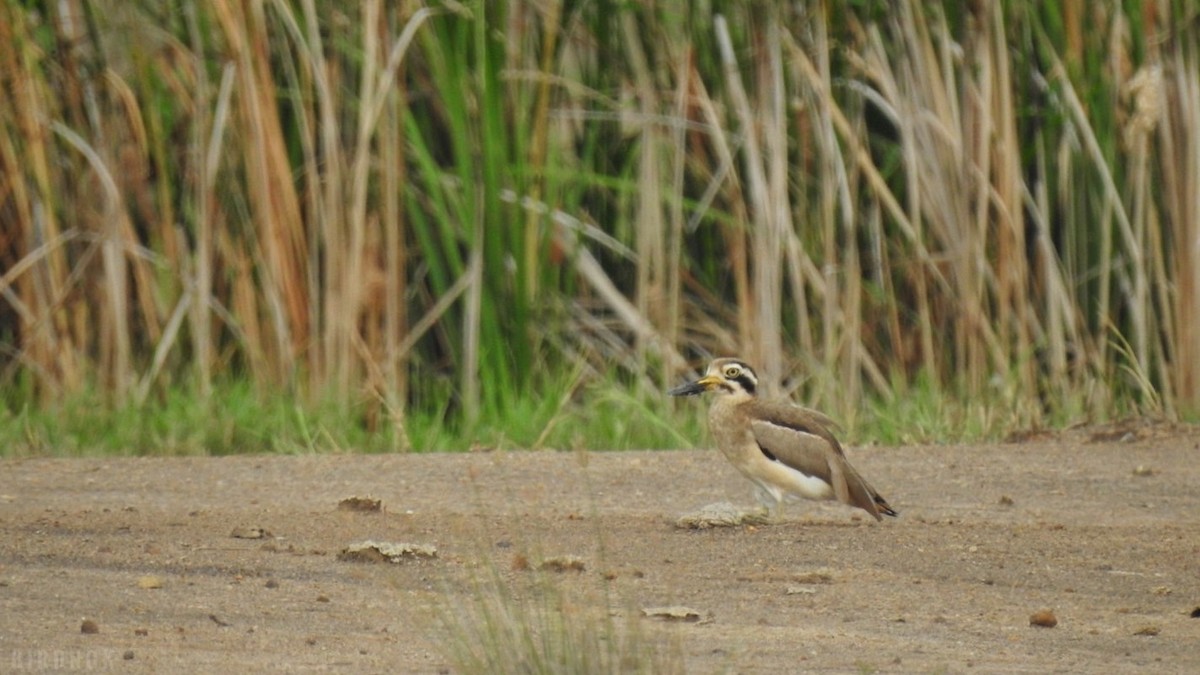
(1148, 630)
(563, 563)
(1045, 619)
(89, 627)
(1143, 470)
(150, 581)
(361, 504)
(128, 655)
(672, 613)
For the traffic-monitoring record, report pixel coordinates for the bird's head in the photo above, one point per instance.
(724, 376)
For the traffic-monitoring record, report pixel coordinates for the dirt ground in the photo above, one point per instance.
(1101, 527)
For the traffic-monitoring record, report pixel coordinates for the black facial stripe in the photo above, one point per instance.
(771, 456)
(747, 382)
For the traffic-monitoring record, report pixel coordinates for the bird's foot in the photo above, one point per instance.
(757, 516)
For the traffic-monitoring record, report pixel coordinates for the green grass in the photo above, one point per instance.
(238, 419)
(565, 415)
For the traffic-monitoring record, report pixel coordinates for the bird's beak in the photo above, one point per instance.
(695, 388)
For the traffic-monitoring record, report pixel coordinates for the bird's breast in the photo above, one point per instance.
(732, 433)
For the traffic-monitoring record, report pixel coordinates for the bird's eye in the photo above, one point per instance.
(732, 372)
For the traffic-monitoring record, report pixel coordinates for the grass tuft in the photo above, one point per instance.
(548, 628)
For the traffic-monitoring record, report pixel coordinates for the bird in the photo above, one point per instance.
(786, 450)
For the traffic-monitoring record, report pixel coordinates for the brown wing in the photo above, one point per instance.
(803, 449)
(800, 438)
(796, 417)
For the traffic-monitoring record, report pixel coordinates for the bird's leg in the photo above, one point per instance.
(770, 506)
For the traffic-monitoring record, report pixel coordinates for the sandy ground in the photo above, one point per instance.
(1101, 527)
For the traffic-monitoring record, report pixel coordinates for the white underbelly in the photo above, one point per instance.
(784, 481)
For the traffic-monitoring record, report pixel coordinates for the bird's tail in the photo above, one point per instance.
(883, 507)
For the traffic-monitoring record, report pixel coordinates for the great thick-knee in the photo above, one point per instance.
(783, 448)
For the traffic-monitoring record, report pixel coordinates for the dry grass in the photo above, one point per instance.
(434, 207)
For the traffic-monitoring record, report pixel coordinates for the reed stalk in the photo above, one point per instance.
(439, 208)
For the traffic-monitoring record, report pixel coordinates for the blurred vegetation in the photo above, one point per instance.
(295, 225)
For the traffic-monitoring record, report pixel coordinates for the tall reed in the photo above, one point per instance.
(438, 208)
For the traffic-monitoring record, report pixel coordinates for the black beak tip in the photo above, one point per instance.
(689, 389)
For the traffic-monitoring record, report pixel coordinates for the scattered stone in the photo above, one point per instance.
(150, 581)
(720, 514)
(322, 598)
(1005, 500)
(563, 563)
(382, 551)
(215, 619)
(1148, 630)
(1044, 619)
(89, 627)
(142, 632)
(1143, 470)
(249, 533)
(128, 655)
(1161, 590)
(1195, 613)
(672, 613)
(361, 504)
(800, 590)
(271, 583)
